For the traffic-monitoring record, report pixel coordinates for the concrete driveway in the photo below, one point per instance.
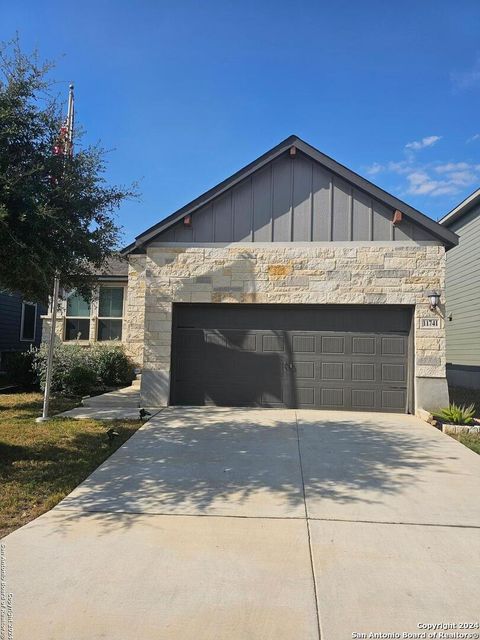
(242, 524)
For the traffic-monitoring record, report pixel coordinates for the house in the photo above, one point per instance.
(20, 324)
(293, 283)
(463, 294)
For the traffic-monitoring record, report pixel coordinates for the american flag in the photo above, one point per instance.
(64, 143)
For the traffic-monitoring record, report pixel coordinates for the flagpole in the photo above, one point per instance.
(68, 150)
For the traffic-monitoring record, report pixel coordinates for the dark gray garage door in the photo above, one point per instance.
(291, 356)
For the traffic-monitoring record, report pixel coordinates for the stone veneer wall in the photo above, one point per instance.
(134, 321)
(366, 273)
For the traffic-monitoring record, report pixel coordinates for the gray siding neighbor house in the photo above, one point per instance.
(293, 283)
(463, 294)
(20, 324)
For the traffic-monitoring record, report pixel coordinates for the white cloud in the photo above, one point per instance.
(375, 168)
(452, 166)
(421, 184)
(428, 141)
(474, 138)
(453, 177)
(433, 178)
(469, 79)
(402, 167)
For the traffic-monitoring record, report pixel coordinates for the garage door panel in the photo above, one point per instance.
(394, 373)
(393, 399)
(364, 345)
(363, 371)
(364, 399)
(248, 364)
(394, 346)
(333, 371)
(303, 344)
(333, 344)
(333, 398)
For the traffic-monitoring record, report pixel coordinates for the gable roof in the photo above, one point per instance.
(461, 209)
(114, 268)
(446, 236)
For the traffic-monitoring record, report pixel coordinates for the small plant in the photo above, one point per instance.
(456, 414)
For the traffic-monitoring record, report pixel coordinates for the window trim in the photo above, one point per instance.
(22, 321)
(113, 285)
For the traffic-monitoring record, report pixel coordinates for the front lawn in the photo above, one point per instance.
(470, 440)
(40, 463)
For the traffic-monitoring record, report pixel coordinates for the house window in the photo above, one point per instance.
(29, 322)
(77, 321)
(110, 313)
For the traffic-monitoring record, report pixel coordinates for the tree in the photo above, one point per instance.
(57, 214)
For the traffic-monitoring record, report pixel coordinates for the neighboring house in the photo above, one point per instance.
(102, 318)
(463, 294)
(20, 324)
(293, 283)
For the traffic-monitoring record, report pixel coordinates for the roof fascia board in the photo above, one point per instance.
(462, 208)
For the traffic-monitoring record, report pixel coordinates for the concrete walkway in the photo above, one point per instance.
(121, 404)
(213, 524)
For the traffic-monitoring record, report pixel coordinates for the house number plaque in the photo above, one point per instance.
(430, 323)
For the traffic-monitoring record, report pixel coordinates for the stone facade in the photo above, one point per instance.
(316, 273)
(134, 320)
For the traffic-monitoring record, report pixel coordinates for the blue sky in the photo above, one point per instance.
(185, 93)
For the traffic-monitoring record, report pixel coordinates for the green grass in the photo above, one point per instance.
(470, 440)
(40, 463)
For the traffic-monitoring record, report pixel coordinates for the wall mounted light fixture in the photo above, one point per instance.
(434, 298)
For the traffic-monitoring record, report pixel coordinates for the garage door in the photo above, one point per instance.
(291, 356)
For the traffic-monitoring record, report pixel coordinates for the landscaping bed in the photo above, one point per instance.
(468, 435)
(40, 463)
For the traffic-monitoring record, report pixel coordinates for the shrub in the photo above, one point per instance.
(112, 365)
(79, 370)
(65, 358)
(455, 414)
(79, 380)
(19, 367)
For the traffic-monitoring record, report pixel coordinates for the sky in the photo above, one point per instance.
(182, 94)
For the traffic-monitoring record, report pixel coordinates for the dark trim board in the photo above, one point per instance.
(463, 375)
(357, 357)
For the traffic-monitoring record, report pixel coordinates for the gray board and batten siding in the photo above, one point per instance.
(293, 193)
(463, 301)
(293, 200)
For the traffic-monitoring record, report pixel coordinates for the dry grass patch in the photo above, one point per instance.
(40, 463)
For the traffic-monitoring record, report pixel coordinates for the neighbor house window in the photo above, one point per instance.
(77, 321)
(29, 322)
(110, 313)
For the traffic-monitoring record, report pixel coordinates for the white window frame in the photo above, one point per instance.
(110, 285)
(31, 304)
(67, 317)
